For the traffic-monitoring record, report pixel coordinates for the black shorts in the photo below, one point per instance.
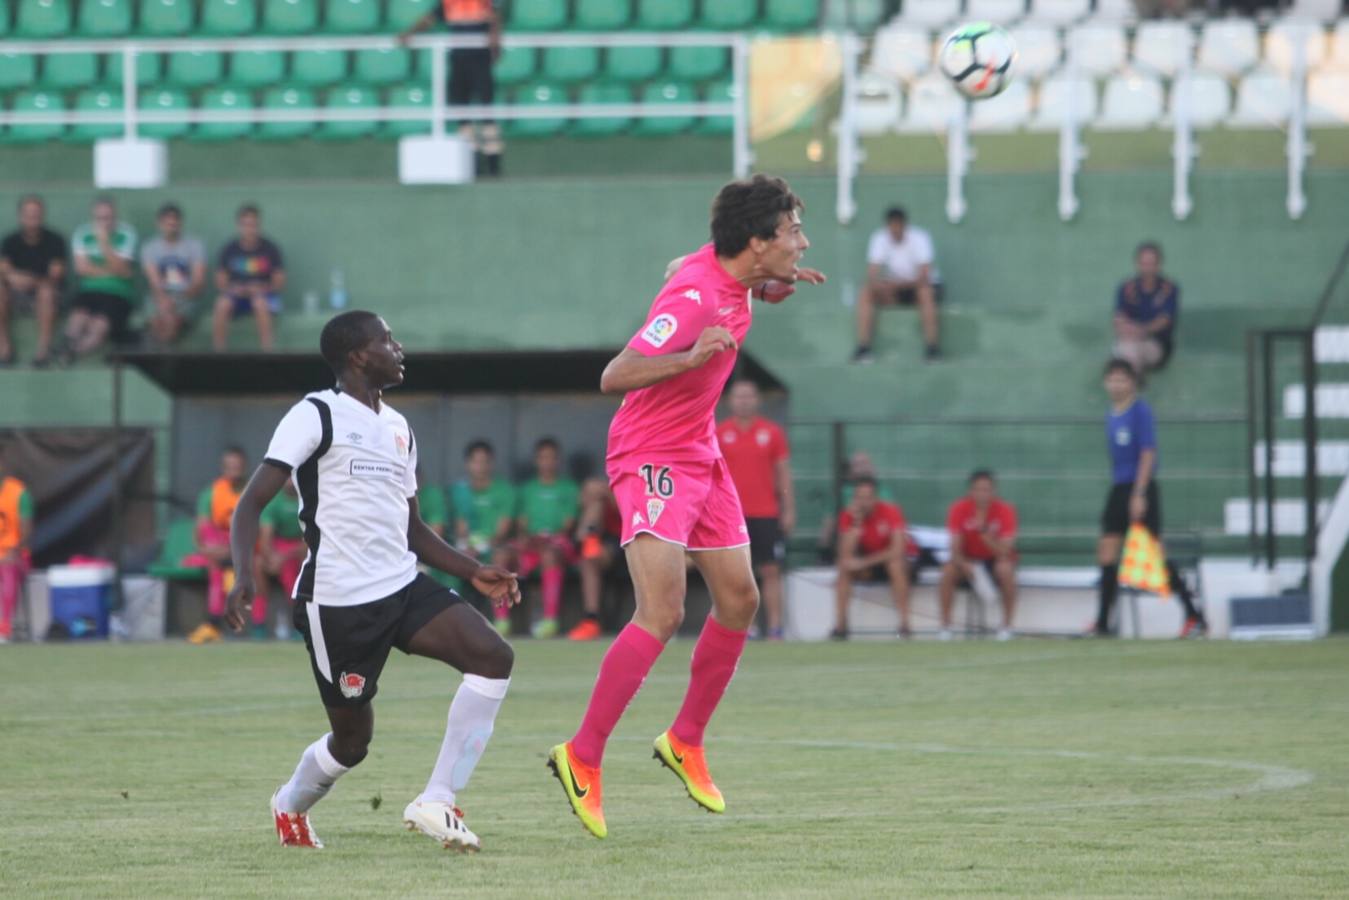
(1115, 519)
(116, 309)
(348, 645)
(766, 543)
(909, 296)
(471, 77)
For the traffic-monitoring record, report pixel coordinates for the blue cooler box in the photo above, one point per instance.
(80, 599)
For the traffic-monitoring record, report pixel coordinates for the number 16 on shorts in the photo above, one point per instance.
(659, 482)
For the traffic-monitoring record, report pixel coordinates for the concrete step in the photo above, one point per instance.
(1289, 516)
(1290, 459)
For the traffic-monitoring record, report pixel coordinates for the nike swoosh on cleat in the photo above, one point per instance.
(580, 791)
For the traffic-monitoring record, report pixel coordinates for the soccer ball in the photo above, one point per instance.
(978, 59)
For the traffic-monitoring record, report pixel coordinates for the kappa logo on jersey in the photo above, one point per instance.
(351, 685)
(654, 508)
(661, 329)
(693, 295)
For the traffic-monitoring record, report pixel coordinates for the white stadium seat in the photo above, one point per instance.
(1263, 101)
(1001, 12)
(1339, 45)
(929, 13)
(1059, 12)
(1097, 49)
(1283, 38)
(1131, 102)
(1316, 10)
(932, 102)
(878, 103)
(1229, 46)
(1163, 46)
(1008, 111)
(1038, 51)
(1115, 11)
(1210, 99)
(1053, 105)
(901, 52)
(1328, 98)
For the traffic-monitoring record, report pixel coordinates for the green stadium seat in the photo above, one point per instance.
(43, 18)
(666, 92)
(632, 63)
(859, 15)
(720, 92)
(383, 66)
(408, 96)
(286, 98)
(729, 15)
(228, 17)
(105, 18)
(290, 16)
(224, 98)
(6, 20)
(603, 93)
(352, 17)
(537, 94)
(192, 68)
(180, 542)
(601, 15)
(165, 18)
(99, 99)
(402, 13)
(515, 66)
(791, 15)
(257, 68)
(348, 97)
(17, 70)
(37, 101)
(571, 64)
(698, 63)
(538, 15)
(317, 68)
(664, 15)
(148, 67)
(162, 100)
(62, 71)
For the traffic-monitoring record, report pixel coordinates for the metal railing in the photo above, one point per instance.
(131, 116)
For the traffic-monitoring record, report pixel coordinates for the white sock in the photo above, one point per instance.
(316, 773)
(470, 725)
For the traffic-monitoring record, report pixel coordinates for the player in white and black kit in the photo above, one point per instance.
(359, 594)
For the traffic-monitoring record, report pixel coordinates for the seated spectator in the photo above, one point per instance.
(872, 546)
(546, 517)
(282, 551)
(175, 269)
(250, 277)
(16, 528)
(859, 465)
(901, 270)
(105, 261)
(215, 509)
(1146, 307)
(484, 509)
(983, 537)
(599, 532)
(32, 268)
(435, 513)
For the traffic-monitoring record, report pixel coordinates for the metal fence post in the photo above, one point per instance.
(741, 155)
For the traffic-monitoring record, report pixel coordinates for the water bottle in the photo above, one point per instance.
(337, 294)
(311, 303)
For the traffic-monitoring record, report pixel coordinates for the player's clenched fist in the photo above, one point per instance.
(712, 341)
(498, 585)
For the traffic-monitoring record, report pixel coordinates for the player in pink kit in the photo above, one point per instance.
(672, 486)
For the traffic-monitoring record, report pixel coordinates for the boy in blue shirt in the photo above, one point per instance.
(1131, 439)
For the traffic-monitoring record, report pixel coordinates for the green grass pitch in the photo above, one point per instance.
(1072, 769)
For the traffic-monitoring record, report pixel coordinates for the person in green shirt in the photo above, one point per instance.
(436, 514)
(545, 519)
(283, 551)
(484, 508)
(104, 251)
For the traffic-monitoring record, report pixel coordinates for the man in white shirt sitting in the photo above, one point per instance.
(901, 270)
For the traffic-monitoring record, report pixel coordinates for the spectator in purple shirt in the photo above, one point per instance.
(1146, 307)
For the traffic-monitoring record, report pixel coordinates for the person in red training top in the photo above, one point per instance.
(598, 532)
(873, 545)
(983, 535)
(755, 450)
(215, 508)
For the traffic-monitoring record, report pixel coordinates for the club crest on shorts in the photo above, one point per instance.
(654, 508)
(351, 685)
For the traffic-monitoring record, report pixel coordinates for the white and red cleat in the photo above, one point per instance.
(443, 822)
(294, 829)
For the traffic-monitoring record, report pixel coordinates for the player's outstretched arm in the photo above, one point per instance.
(497, 584)
(631, 371)
(262, 487)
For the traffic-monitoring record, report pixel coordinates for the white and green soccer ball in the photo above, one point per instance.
(978, 58)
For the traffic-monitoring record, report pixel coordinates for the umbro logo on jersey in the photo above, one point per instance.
(354, 436)
(693, 295)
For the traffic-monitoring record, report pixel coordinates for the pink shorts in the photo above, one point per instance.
(530, 550)
(693, 504)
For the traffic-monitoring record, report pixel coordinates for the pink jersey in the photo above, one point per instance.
(676, 418)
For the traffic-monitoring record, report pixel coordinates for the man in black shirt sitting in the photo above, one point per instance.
(32, 267)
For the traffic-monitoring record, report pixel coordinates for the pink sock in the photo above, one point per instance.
(260, 609)
(215, 591)
(11, 575)
(552, 592)
(715, 657)
(622, 672)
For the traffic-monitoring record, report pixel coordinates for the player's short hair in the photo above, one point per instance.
(982, 475)
(1149, 246)
(896, 214)
(547, 441)
(869, 480)
(344, 334)
(1120, 365)
(248, 209)
(480, 444)
(234, 450)
(750, 208)
(169, 209)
